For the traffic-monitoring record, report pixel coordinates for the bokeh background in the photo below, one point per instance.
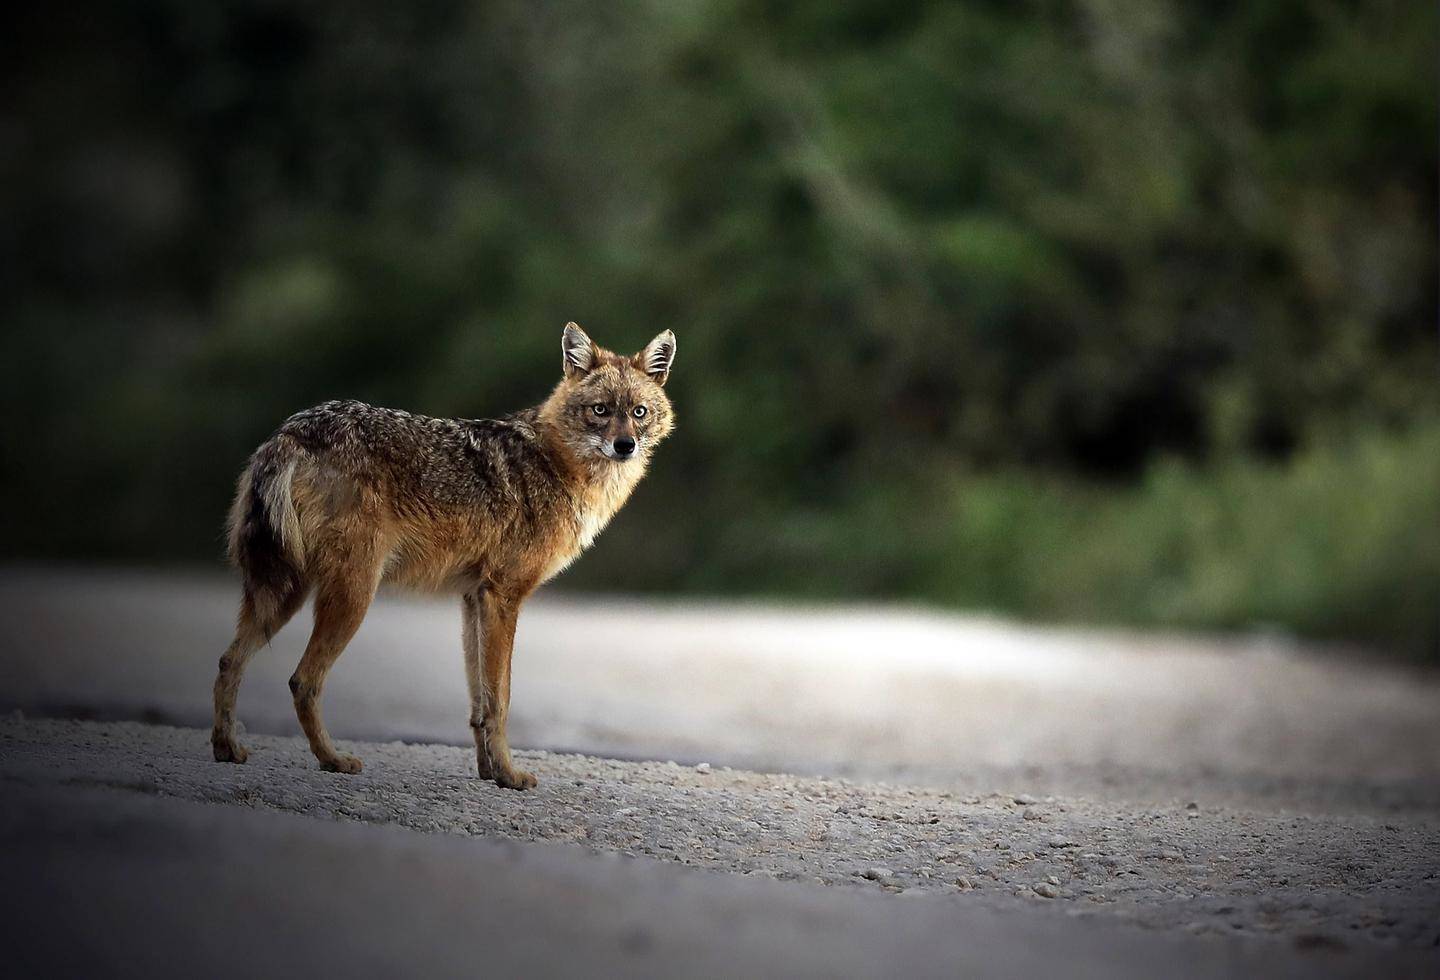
(1096, 312)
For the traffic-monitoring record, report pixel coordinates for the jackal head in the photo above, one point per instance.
(609, 405)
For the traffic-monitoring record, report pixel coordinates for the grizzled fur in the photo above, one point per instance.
(345, 496)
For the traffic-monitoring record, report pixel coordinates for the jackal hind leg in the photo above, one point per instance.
(489, 638)
(341, 601)
(261, 617)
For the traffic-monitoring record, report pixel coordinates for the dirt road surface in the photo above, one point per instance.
(972, 796)
(962, 703)
(116, 861)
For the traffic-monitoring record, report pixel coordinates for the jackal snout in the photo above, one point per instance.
(620, 440)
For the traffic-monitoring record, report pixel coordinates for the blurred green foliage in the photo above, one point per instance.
(1341, 541)
(1111, 310)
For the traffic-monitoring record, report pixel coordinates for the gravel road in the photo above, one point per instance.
(109, 882)
(965, 703)
(1343, 883)
(1091, 802)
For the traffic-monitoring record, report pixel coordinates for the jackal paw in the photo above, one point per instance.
(512, 778)
(342, 763)
(229, 750)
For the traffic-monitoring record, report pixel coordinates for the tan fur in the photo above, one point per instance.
(346, 496)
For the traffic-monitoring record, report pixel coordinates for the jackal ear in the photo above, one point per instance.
(577, 351)
(658, 357)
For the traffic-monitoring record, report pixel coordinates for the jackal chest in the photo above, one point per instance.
(591, 512)
(588, 526)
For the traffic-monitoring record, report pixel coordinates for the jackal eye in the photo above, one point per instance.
(639, 411)
(600, 409)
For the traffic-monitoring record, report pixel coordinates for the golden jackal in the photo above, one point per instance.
(344, 496)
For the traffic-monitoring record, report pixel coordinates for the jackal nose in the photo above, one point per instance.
(624, 446)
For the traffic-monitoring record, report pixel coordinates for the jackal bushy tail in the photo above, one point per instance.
(265, 540)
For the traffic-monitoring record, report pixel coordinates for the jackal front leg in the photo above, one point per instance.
(489, 638)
